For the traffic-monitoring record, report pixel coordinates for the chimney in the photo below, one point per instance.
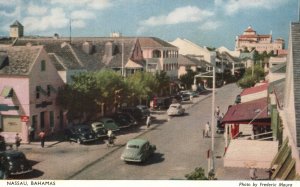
(87, 48)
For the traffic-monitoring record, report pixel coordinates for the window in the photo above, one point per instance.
(51, 119)
(156, 54)
(34, 121)
(42, 120)
(48, 90)
(43, 65)
(37, 92)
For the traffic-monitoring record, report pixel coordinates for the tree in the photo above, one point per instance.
(141, 85)
(197, 174)
(188, 78)
(249, 80)
(163, 82)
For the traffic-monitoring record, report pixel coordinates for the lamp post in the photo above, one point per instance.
(213, 76)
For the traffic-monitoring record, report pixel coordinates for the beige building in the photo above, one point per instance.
(261, 42)
(16, 30)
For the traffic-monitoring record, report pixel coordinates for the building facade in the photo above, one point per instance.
(260, 42)
(29, 85)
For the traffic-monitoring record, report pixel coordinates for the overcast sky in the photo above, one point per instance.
(212, 23)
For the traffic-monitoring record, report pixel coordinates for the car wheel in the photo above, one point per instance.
(79, 141)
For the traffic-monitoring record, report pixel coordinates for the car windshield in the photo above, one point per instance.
(133, 147)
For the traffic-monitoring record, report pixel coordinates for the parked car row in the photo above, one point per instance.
(124, 118)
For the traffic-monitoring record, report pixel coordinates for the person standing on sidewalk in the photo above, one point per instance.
(207, 129)
(42, 136)
(253, 174)
(18, 141)
(148, 121)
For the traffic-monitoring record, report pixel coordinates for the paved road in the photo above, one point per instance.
(180, 148)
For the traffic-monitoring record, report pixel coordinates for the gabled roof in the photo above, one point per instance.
(255, 89)
(278, 87)
(154, 42)
(248, 111)
(20, 59)
(16, 24)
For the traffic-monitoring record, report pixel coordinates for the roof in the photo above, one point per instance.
(255, 89)
(278, 87)
(185, 61)
(16, 24)
(280, 68)
(250, 153)
(73, 56)
(153, 42)
(248, 111)
(295, 74)
(249, 29)
(137, 142)
(20, 59)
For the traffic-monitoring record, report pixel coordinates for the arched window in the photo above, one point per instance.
(156, 54)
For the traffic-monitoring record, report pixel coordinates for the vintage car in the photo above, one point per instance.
(109, 123)
(80, 133)
(99, 129)
(14, 163)
(137, 150)
(175, 109)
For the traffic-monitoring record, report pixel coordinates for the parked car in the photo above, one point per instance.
(134, 111)
(14, 163)
(109, 123)
(80, 133)
(99, 129)
(121, 121)
(125, 118)
(144, 109)
(175, 109)
(161, 103)
(137, 150)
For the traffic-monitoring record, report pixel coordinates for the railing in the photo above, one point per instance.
(256, 135)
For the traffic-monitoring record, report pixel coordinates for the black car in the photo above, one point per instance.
(134, 111)
(14, 163)
(124, 120)
(80, 134)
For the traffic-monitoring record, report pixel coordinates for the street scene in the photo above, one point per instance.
(89, 91)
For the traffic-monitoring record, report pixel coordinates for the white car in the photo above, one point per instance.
(175, 109)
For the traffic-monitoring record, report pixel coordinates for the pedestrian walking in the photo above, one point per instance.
(217, 111)
(111, 137)
(42, 136)
(17, 141)
(207, 129)
(31, 133)
(252, 174)
(148, 121)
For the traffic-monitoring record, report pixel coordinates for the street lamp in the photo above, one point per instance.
(213, 76)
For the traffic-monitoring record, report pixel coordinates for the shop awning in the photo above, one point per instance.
(250, 153)
(6, 92)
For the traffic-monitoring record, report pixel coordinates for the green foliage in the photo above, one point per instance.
(188, 78)
(197, 174)
(249, 80)
(141, 84)
(163, 82)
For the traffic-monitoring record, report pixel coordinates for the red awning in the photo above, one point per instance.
(255, 89)
(253, 111)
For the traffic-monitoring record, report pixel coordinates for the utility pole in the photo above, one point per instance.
(70, 30)
(122, 71)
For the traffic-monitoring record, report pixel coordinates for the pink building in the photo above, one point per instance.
(29, 85)
(261, 42)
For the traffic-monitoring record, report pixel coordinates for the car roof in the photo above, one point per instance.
(13, 152)
(139, 142)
